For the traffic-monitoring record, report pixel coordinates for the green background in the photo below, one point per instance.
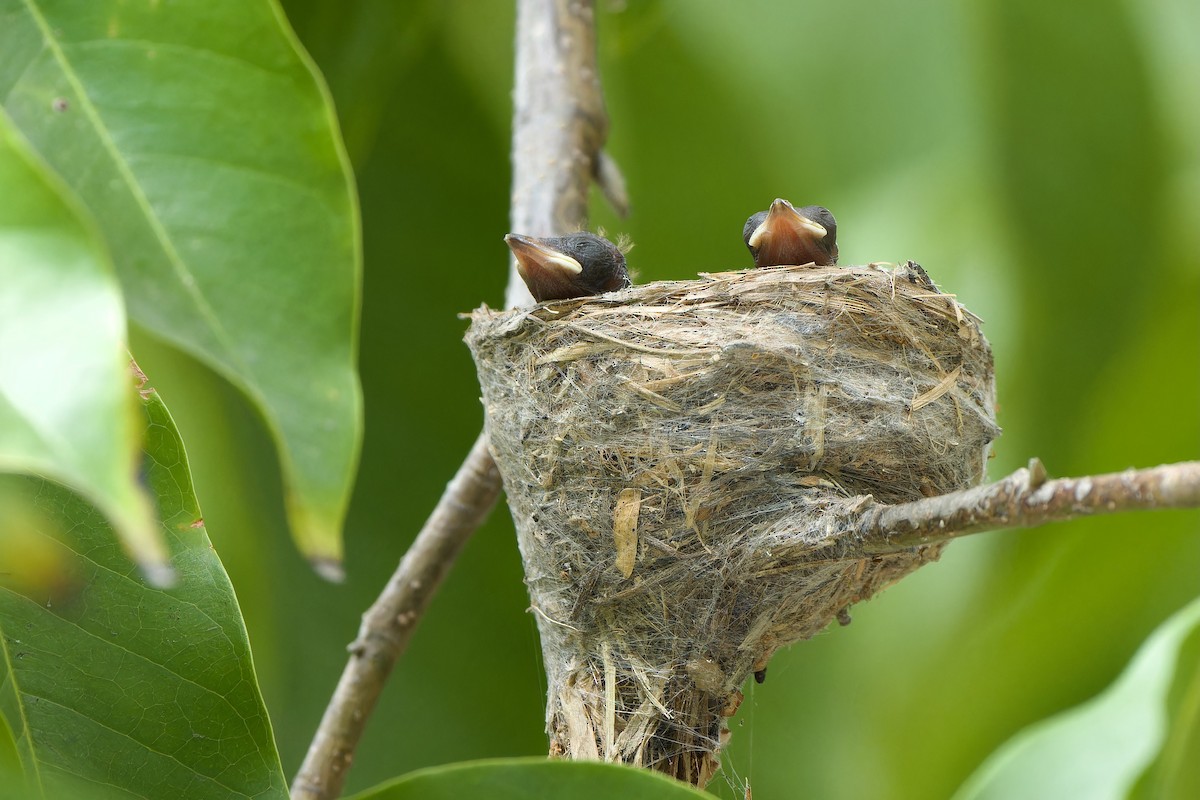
(1040, 160)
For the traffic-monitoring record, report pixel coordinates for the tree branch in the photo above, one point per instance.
(389, 623)
(558, 132)
(1026, 499)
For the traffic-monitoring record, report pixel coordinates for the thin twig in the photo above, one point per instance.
(389, 623)
(612, 184)
(1026, 499)
(558, 131)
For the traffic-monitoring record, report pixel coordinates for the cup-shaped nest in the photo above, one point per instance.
(677, 457)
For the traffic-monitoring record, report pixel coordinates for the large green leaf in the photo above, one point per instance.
(1102, 748)
(532, 779)
(66, 393)
(111, 688)
(202, 141)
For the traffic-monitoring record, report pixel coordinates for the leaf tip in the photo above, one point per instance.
(318, 536)
(330, 569)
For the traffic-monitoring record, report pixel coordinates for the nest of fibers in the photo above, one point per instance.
(682, 460)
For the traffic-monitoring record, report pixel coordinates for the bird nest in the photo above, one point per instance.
(677, 458)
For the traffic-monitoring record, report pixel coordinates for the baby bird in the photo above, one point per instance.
(561, 267)
(784, 235)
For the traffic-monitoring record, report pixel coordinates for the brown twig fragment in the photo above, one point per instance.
(559, 129)
(1026, 499)
(612, 184)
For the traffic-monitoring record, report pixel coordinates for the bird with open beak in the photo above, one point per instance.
(784, 234)
(561, 267)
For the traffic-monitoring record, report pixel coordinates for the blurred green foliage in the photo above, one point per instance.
(1109, 745)
(62, 318)
(1042, 160)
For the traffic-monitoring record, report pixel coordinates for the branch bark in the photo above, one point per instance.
(389, 623)
(558, 132)
(1026, 499)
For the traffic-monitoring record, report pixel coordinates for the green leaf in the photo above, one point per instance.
(66, 393)
(1176, 771)
(532, 779)
(1102, 748)
(202, 141)
(113, 688)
